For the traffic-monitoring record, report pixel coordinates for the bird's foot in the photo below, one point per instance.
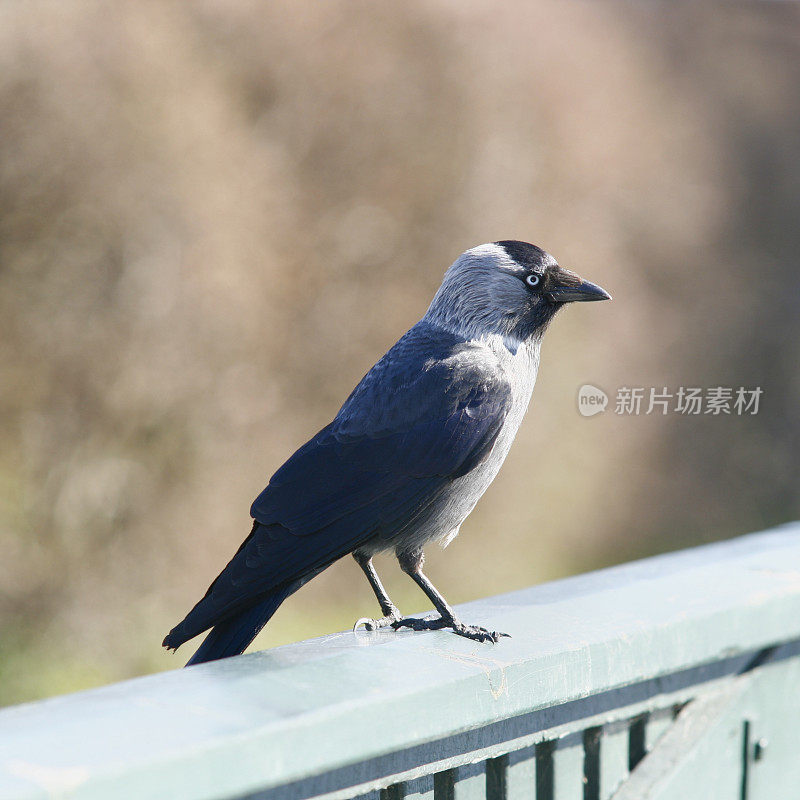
(437, 623)
(417, 624)
(479, 634)
(376, 624)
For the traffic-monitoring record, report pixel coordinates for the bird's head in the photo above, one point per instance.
(509, 288)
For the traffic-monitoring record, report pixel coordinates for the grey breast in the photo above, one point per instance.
(442, 520)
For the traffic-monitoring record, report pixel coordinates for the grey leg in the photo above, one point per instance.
(411, 564)
(389, 610)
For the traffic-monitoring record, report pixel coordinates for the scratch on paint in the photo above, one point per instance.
(488, 666)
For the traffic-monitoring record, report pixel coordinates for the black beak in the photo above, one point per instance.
(567, 287)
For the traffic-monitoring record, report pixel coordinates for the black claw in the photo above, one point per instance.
(376, 624)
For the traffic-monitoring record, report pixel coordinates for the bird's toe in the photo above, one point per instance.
(376, 624)
(474, 632)
(478, 633)
(424, 624)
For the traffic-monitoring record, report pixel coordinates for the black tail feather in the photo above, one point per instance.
(230, 638)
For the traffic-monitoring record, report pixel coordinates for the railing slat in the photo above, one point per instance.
(568, 766)
(521, 774)
(614, 748)
(469, 782)
(418, 789)
(657, 723)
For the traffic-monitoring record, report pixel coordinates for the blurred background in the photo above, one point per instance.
(215, 216)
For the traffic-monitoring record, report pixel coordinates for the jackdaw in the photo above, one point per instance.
(407, 457)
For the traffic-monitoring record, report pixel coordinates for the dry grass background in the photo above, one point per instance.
(215, 216)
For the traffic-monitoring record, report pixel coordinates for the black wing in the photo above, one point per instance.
(427, 413)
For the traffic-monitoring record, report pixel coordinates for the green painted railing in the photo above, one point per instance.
(674, 677)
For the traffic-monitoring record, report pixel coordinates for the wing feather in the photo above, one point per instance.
(427, 413)
(427, 421)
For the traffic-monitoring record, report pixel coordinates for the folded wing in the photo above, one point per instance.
(427, 413)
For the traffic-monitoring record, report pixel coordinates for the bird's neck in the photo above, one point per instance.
(497, 338)
(504, 345)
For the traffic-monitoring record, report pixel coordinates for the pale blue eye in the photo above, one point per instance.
(532, 279)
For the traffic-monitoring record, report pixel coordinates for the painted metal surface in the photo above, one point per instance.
(584, 693)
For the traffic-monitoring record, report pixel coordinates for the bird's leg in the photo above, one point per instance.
(411, 564)
(389, 610)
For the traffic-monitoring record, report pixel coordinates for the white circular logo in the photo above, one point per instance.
(591, 400)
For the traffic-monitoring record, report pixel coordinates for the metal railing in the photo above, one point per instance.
(673, 677)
